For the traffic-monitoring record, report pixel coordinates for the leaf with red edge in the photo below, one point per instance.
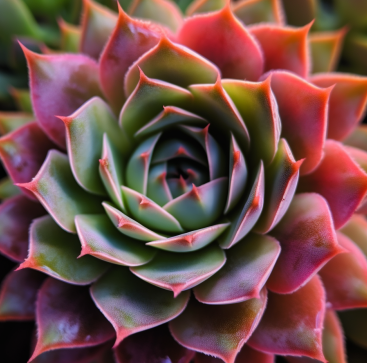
(153, 345)
(303, 111)
(132, 305)
(222, 39)
(55, 252)
(69, 37)
(68, 318)
(204, 6)
(219, 330)
(248, 266)
(164, 12)
(132, 34)
(292, 324)
(18, 295)
(16, 214)
(98, 23)
(308, 241)
(23, 152)
(11, 121)
(71, 79)
(339, 180)
(259, 11)
(284, 47)
(345, 277)
(347, 104)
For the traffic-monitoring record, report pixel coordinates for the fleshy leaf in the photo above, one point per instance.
(157, 188)
(84, 137)
(356, 230)
(132, 34)
(99, 238)
(158, 346)
(248, 266)
(308, 241)
(259, 11)
(222, 39)
(219, 330)
(284, 47)
(204, 6)
(164, 12)
(354, 322)
(22, 98)
(292, 324)
(190, 241)
(56, 189)
(69, 37)
(303, 111)
(243, 219)
(11, 121)
(8, 189)
(257, 105)
(345, 277)
(347, 104)
(98, 23)
(201, 206)
(70, 79)
(339, 180)
(65, 325)
(172, 63)
(179, 272)
(54, 252)
(130, 227)
(132, 305)
(358, 138)
(18, 295)
(16, 214)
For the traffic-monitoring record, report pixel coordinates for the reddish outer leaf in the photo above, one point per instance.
(153, 345)
(18, 295)
(16, 215)
(68, 318)
(303, 111)
(292, 324)
(358, 138)
(356, 230)
(23, 152)
(134, 35)
(308, 241)
(221, 38)
(347, 104)
(345, 277)
(222, 336)
(60, 84)
(284, 47)
(339, 180)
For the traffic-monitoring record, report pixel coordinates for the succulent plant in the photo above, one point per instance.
(189, 192)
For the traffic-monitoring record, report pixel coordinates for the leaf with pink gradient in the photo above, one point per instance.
(18, 295)
(292, 324)
(68, 78)
(62, 324)
(339, 180)
(16, 215)
(248, 266)
(283, 47)
(219, 330)
(222, 39)
(347, 104)
(303, 111)
(132, 305)
(308, 241)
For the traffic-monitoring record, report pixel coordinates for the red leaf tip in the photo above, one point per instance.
(194, 192)
(29, 186)
(65, 119)
(144, 203)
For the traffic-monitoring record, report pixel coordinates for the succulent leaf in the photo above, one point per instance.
(11, 121)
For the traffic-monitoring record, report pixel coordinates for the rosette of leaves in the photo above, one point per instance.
(189, 191)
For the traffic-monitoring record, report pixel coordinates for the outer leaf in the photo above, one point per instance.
(56, 189)
(132, 305)
(16, 214)
(356, 230)
(8, 189)
(292, 323)
(54, 252)
(358, 138)
(64, 325)
(223, 336)
(70, 79)
(348, 102)
(248, 266)
(100, 239)
(339, 180)
(11, 121)
(308, 241)
(18, 295)
(70, 37)
(222, 39)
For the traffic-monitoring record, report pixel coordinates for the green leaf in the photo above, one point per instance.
(8, 189)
